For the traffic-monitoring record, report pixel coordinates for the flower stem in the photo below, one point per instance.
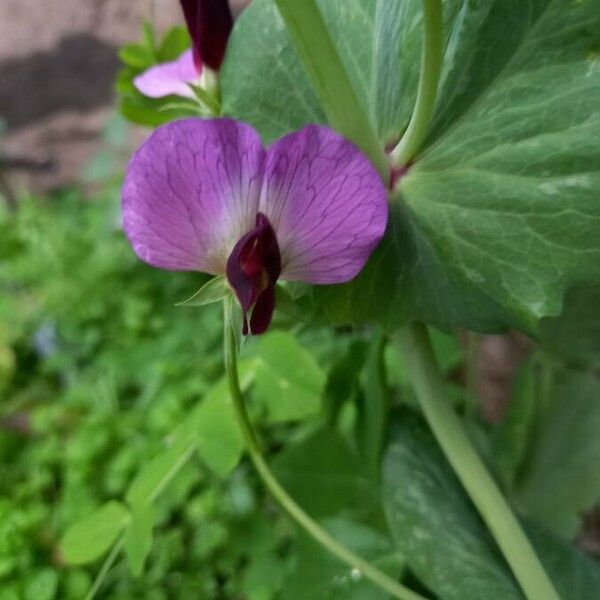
(287, 503)
(431, 67)
(429, 387)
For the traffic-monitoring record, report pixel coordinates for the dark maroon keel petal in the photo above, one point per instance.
(263, 311)
(216, 24)
(253, 267)
(191, 13)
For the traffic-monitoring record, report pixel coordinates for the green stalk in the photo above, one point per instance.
(429, 387)
(329, 78)
(106, 567)
(287, 503)
(431, 67)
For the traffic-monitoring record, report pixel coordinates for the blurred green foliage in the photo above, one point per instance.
(117, 435)
(106, 386)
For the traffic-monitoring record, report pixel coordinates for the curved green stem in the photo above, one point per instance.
(431, 67)
(106, 567)
(429, 387)
(287, 503)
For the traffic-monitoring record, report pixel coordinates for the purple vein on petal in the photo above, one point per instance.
(327, 204)
(191, 191)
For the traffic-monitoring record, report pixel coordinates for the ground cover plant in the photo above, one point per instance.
(333, 190)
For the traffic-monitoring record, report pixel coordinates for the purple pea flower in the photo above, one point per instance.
(204, 195)
(209, 23)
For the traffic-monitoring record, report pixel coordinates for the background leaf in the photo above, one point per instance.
(138, 537)
(436, 528)
(560, 478)
(574, 336)
(433, 523)
(92, 536)
(289, 382)
(325, 462)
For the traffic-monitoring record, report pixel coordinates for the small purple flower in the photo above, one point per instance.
(204, 195)
(209, 23)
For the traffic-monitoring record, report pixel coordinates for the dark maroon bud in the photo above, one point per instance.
(209, 23)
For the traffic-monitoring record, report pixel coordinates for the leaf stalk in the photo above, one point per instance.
(431, 68)
(287, 503)
(428, 384)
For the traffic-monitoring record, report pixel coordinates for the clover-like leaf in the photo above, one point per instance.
(88, 539)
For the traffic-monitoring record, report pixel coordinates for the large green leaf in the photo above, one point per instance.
(499, 216)
(444, 542)
(434, 525)
(379, 43)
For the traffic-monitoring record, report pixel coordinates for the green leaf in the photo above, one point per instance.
(210, 428)
(379, 45)
(498, 217)
(175, 42)
(343, 379)
(212, 291)
(511, 437)
(149, 37)
(213, 426)
(43, 585)
(433, 523)
(136, 56)
(289, 381)
(91, 537)
(443, 539)
(575, 334)
(560, 478)
(325, 462)
(373, 403)
(151, 111)
(138, 537)
(260, 31)
(576, 576)
(317, 574)
(263, 577)
(541, 33)
(158, 472)
(514, 185)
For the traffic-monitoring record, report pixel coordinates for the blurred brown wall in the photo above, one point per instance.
(57, 67)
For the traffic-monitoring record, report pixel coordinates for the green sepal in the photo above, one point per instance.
(212, 291)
